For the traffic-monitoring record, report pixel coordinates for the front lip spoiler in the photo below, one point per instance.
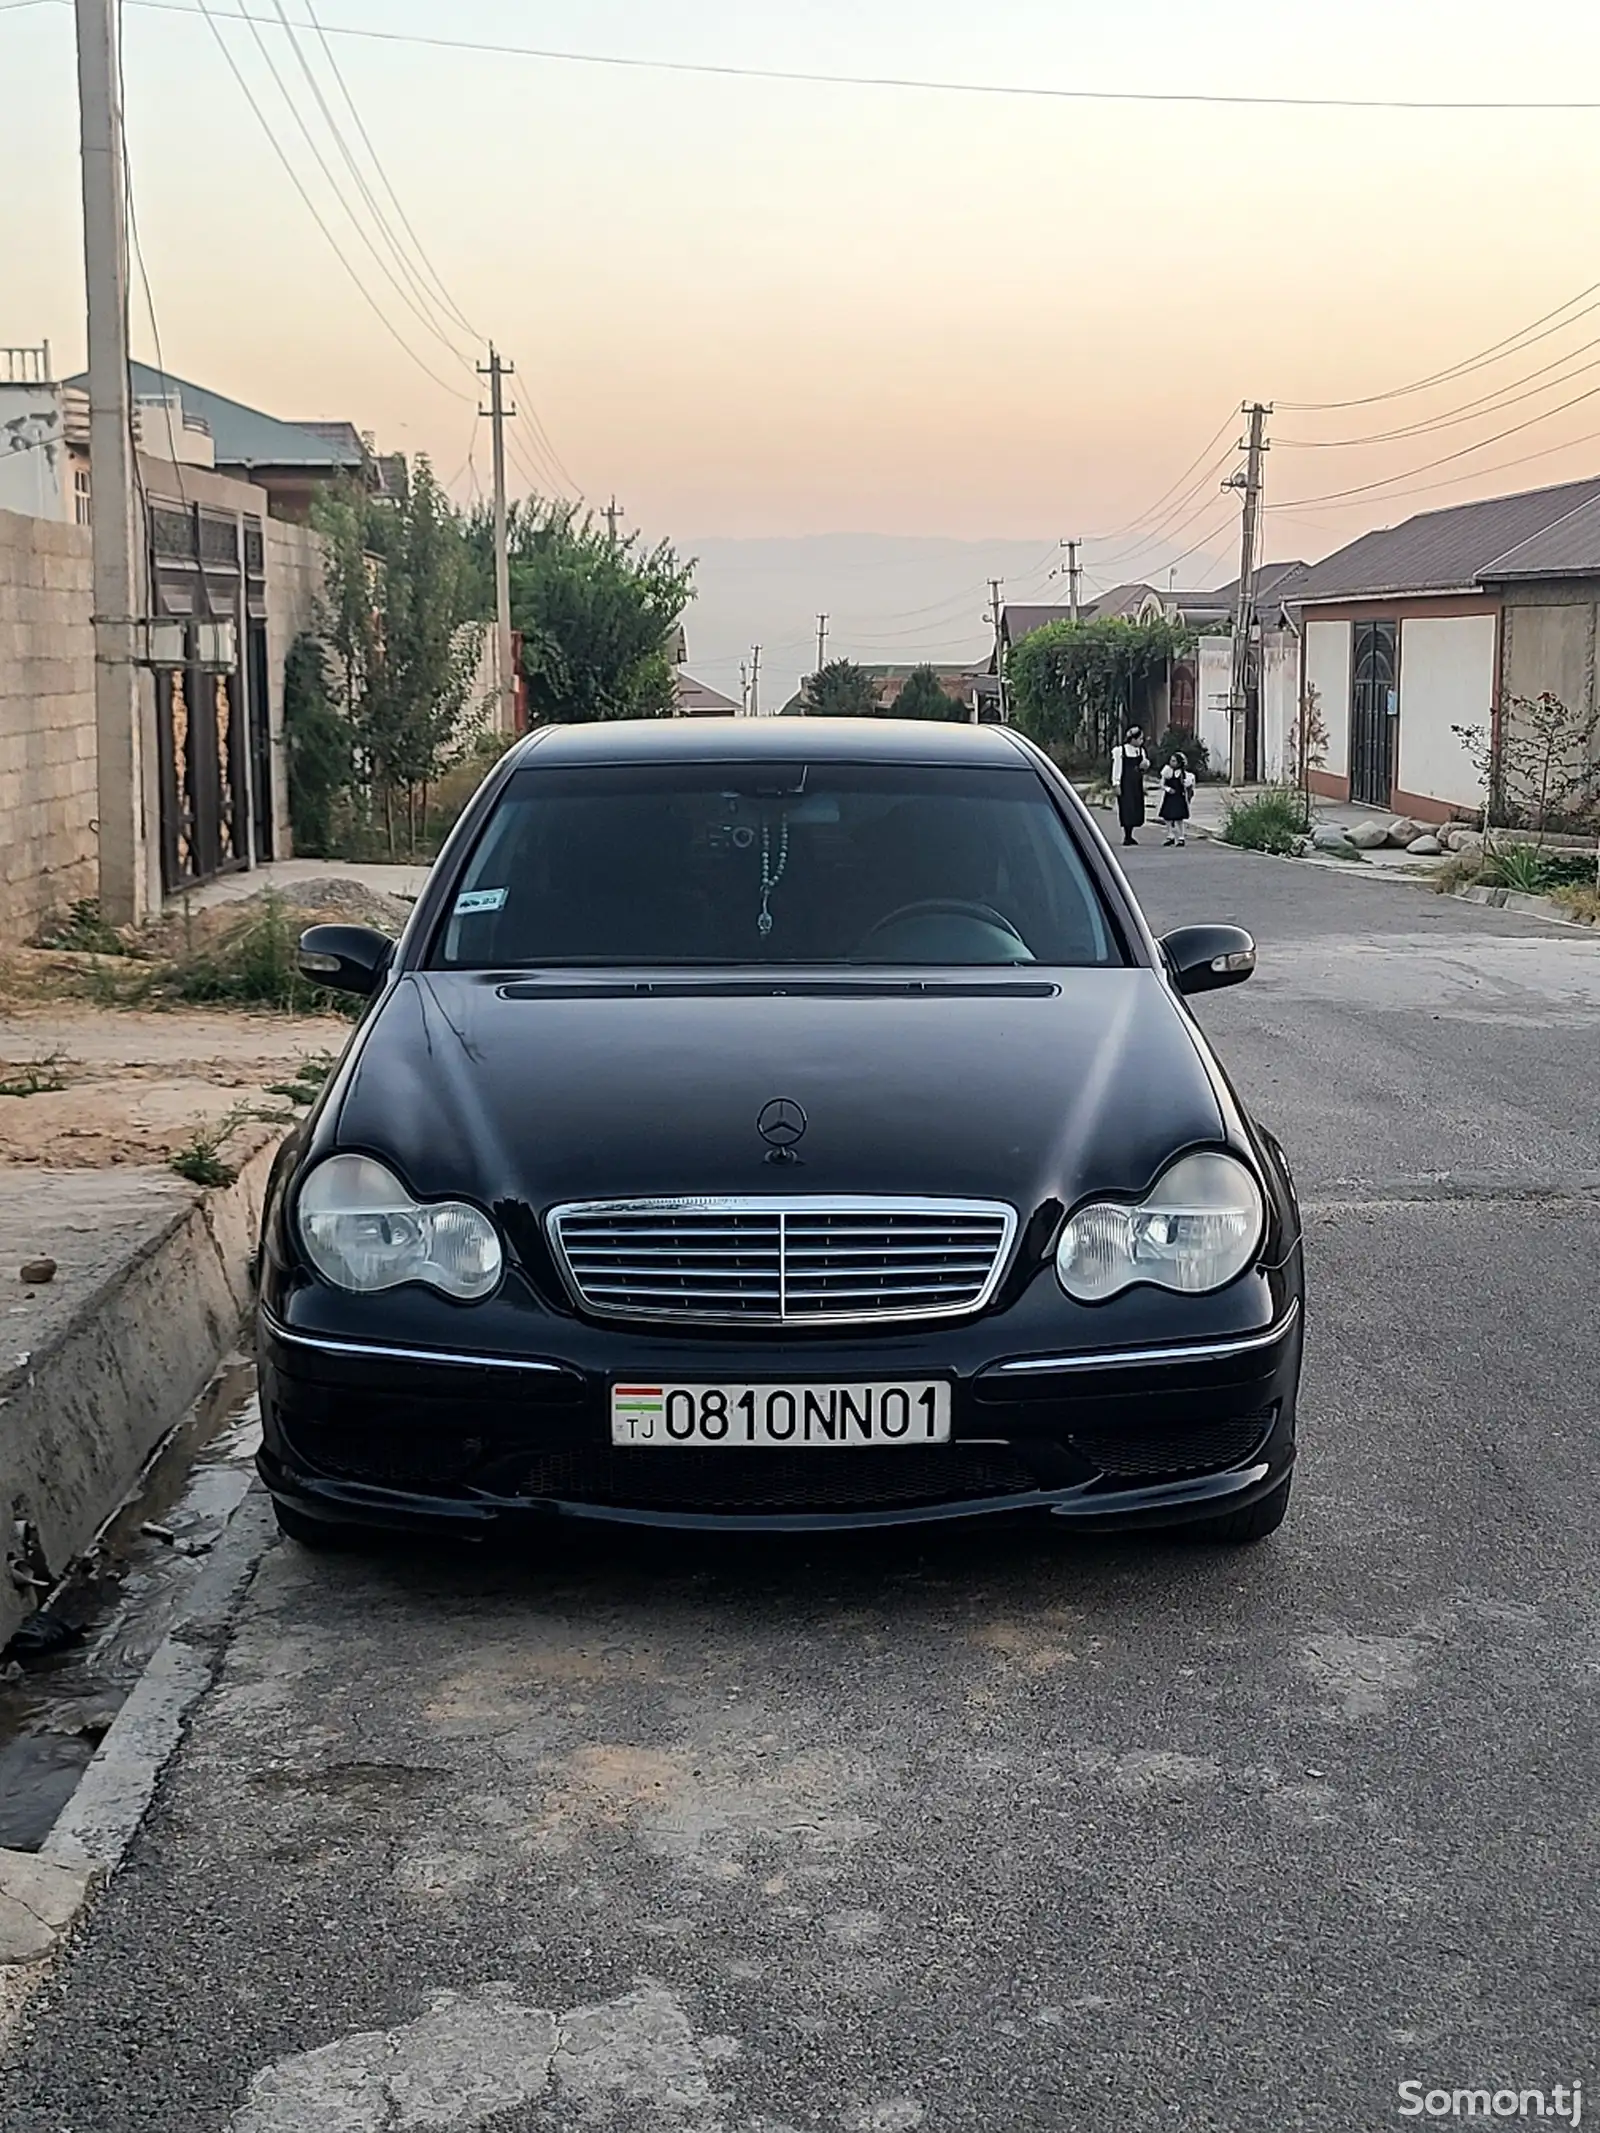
(1223, 1351)
(1179, 1352)
(1086, 1504)
(375, 1352)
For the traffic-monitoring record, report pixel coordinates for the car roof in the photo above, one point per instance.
(786, 740)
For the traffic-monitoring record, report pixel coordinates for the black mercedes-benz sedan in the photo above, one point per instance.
(778, 1123)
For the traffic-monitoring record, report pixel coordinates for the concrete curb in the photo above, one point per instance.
(91, 1836)
(83, 1413)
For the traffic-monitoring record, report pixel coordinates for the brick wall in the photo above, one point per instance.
(47, 730)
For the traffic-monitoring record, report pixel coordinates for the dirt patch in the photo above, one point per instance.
(135, 1086)
(329, 900)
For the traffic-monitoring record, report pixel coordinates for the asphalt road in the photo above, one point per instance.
(977, 1833)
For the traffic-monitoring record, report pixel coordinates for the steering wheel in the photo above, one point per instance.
(947, 907)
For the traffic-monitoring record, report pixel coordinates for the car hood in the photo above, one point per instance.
(1030, 1092)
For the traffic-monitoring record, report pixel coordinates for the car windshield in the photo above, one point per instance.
(810, 863)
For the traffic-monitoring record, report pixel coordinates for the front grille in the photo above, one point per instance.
(869, 1477)
(782, 1262)
(1168, 1450)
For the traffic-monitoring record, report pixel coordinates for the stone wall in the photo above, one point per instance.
(47, 727)
(294, 583)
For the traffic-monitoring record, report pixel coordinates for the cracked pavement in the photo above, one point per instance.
(993, 1832)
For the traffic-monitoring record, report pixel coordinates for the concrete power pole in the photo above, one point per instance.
(613, 512)
(822, 641)
(1244, 615)
(755, 682)
(128, 794)
(999, 650)
(497, 411)
(1074, 578)
(744, 688)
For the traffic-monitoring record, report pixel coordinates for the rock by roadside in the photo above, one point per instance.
(38, 1901)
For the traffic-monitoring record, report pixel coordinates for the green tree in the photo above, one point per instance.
(841, 689)
(318, 744)
(922, 697)
(1075, 685)
(597, 616)
(400, 618)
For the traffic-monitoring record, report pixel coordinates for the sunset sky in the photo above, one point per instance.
(771, 309)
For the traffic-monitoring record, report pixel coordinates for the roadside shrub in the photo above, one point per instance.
(252, 963)
(1519, 867)
(1269, 821)
(83, 931)
(1579, 902)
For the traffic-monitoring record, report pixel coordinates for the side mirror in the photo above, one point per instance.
(345, 958)
(1205, 958)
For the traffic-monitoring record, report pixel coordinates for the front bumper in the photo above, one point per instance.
(387, 1434)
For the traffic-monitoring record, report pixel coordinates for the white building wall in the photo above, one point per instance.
(1280, 702)
(1327, 670)
(1446, 679)
(1213, 688)
(35, 478)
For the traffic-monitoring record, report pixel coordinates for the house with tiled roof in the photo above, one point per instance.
(1415, 630)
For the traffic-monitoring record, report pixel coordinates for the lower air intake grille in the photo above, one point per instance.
(864, 1479)
(1146, 1453)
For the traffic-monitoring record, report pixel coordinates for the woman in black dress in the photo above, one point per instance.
(1128, 767)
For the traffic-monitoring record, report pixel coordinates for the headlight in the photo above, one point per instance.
(362, 1230)
(1197, 1228)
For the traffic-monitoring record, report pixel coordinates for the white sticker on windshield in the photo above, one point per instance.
(471, 900)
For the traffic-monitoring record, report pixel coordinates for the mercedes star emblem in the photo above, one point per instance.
(781, 1123)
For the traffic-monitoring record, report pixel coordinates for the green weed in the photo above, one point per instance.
(1270, 821)
(40, 1077)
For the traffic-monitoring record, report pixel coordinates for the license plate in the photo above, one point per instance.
(908, 1412)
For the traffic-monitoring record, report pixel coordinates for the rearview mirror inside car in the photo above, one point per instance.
(1204, 958)
(345, 958)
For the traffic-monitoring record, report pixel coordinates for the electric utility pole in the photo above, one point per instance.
(755, 682)
(613, 512)
(127, 793)
(999, 650)
(497, 411)
(822, 641)
(1074, 577)
(1244, 616)
(744, 688)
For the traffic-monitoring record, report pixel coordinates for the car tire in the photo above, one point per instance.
(321, 1535)
(1237, 1529)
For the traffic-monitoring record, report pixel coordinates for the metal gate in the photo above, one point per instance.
(201, 727)
(1374, 711)
(202, 785)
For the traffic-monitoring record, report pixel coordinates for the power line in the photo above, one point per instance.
(1427, 488)
(1029, 91)
(377, 163)
(1524, 338)
(311, 206)
(1367, 488)
(426, 305)
(337, 190)
(1118, 532)
(1503, 396)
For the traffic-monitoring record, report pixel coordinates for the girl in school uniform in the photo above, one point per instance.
(1177, 783)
